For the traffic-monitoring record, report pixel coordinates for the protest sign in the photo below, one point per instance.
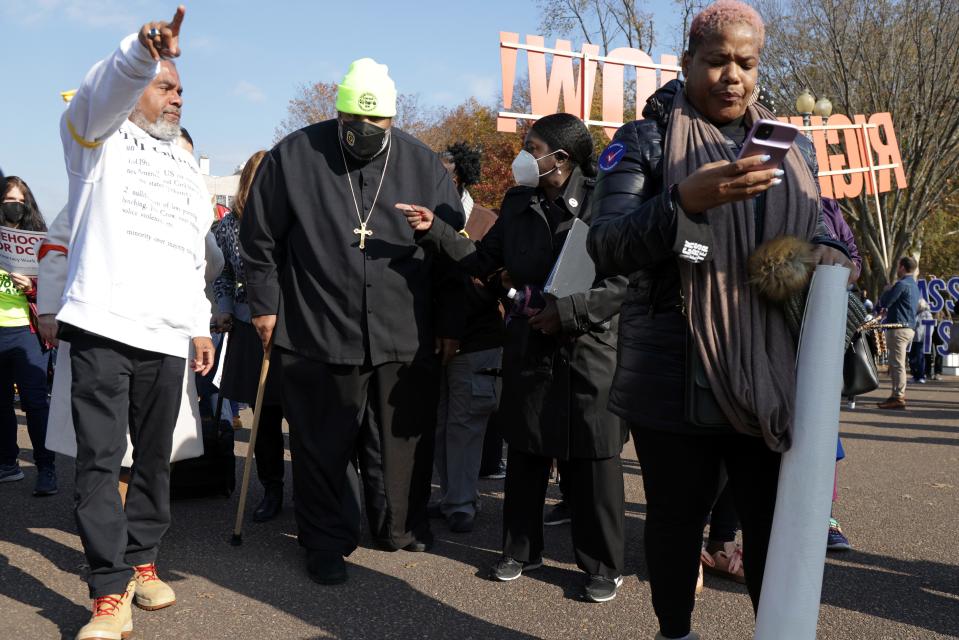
(18, 250)
(942, 294)
(855, 152)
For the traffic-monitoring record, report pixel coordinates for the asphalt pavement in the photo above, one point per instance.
(898, 503)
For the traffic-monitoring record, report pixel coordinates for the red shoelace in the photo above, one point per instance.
(106, 606)
(148, 572)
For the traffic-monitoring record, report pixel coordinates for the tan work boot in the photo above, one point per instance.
(151, 592)
(112, 617)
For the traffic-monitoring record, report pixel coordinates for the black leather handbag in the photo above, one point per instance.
(859, 374)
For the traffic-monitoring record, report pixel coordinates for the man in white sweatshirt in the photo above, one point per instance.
(133, 300)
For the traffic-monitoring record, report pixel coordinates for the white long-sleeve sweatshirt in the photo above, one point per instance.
(138, 214)
(52, 276)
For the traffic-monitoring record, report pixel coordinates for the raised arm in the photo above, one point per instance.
(110, 90)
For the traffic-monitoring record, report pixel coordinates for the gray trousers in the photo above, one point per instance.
(467, 400)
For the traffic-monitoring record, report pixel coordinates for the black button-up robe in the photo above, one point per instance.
(336, 303)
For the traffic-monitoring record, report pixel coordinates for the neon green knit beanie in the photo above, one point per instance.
(367, 90)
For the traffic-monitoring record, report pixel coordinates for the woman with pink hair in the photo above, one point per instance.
(705, 371)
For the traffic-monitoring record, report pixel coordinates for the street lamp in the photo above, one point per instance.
(805, 104)
(823, 108)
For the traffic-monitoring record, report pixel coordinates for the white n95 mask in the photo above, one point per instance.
(526, 170)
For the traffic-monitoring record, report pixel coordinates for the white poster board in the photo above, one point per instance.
(18, 250)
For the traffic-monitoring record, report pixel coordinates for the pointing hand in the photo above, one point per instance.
(162, 39)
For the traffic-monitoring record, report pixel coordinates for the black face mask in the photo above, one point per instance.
(361, 139)
(13, 212)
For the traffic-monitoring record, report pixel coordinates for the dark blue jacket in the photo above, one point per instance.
(637, 232)
(901, 301)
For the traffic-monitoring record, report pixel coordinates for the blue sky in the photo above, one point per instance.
(242, 61)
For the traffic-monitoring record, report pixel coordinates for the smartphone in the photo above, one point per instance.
(769, 137)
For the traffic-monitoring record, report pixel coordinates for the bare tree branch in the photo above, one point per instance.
(871, 56)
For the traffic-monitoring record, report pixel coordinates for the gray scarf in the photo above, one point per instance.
(744, 342)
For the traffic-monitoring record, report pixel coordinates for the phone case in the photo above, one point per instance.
(776, 145)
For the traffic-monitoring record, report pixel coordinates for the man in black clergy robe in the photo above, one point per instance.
(352, 306)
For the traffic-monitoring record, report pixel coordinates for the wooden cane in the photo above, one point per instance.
(237, 538)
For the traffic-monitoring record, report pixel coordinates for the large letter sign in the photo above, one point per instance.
(855, 153)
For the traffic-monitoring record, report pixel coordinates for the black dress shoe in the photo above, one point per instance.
(270, 506)
(325, 567)
(460, 522)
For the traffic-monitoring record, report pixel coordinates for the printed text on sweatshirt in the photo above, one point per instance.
(138, 213)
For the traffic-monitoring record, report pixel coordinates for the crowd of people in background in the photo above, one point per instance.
(407, 333)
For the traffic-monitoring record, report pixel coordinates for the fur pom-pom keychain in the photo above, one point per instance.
(782, 267)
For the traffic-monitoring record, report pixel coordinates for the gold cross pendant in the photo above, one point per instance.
(362, 232)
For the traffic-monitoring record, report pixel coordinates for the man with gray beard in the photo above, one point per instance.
(133, 302)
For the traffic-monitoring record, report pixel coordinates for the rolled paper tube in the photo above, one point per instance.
(792, 583)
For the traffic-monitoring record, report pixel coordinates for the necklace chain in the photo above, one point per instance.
(359, 216)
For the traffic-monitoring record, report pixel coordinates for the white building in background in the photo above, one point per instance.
(222, 188)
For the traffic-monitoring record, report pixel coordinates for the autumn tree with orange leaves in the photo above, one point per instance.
(316, 102)
(475, 124)
(470, 122)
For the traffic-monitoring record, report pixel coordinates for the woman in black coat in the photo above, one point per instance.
(557, 364)
(699, 224)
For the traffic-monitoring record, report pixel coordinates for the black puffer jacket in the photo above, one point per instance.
(636, 231)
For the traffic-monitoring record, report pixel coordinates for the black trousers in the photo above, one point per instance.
(492, 445)
(383, 417)
(680, 475)
(596, 498)
(724, 521)
(269, 447)
(115, 385)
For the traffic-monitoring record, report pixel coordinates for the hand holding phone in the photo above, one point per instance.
(716, 183)
(770, 138)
